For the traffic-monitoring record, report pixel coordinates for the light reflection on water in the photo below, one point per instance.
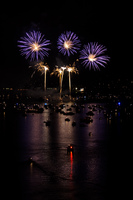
(47, 145)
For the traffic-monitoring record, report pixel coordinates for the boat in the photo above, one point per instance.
(90, 113)
(67, 119)
(86, 120)
(68, 113)
(73, 123)
(48, 122)
(70, 148)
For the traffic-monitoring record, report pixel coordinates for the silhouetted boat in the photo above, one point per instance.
(70, 148)
(67, 119)
(74, 123)
(90, 113)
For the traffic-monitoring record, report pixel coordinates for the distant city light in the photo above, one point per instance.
(81, 90)
(119, 103)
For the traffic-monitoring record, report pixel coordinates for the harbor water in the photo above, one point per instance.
(35, 163)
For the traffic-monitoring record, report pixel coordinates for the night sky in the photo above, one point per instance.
(106, 23)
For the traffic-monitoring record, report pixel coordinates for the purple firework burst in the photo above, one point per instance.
(34, 45)
(68, 43)
(93, 56)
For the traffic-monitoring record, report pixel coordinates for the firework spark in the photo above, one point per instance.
(34, 45)
(43, 69)
(93, 56)
(71, 69)
(59, 72)
(68, 43)
(41, 66)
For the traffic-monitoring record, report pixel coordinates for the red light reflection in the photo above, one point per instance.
(71, 159)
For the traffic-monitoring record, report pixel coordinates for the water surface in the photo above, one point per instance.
(85, 174)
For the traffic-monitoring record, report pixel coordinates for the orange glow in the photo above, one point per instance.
(35, 47)
(71, 159)
(71, 156)
(92, 57)
(46, 68)
(70, 69)
(67, 44)
(31, 167)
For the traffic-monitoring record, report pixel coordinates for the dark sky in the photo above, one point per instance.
(105, 23)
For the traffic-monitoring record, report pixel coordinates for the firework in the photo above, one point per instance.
(93, 56)
(34, 45)
(43, 69)
(68, 43)
(59, 72)
(71, 69)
